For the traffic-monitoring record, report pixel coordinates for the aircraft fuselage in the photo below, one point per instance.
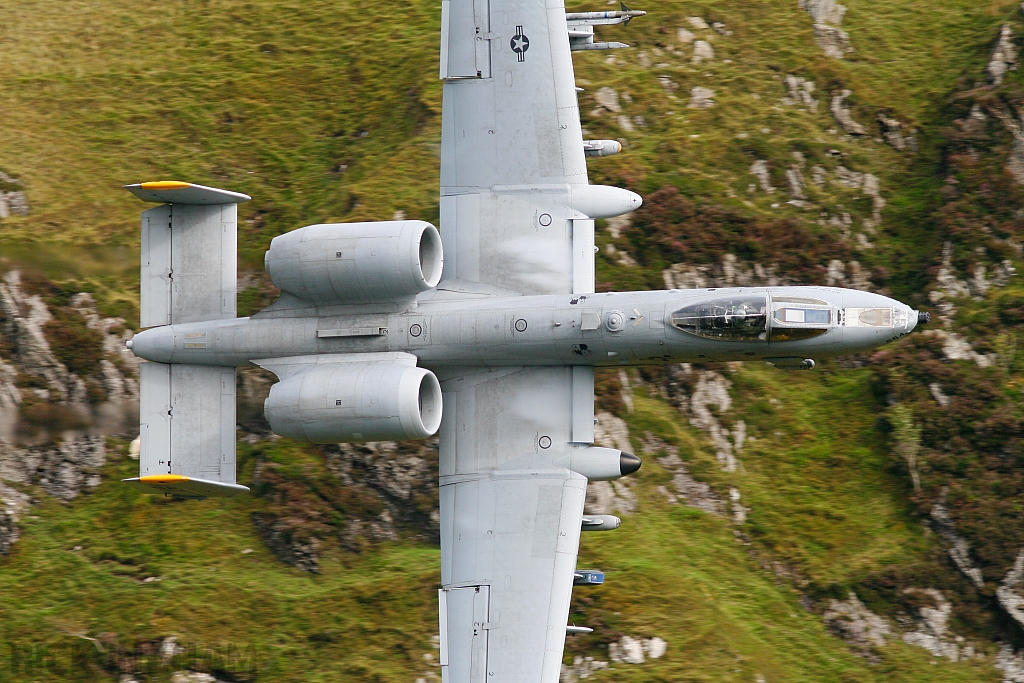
(605, 329)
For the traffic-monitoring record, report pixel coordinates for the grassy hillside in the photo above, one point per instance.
(329, 111)
(673, 572)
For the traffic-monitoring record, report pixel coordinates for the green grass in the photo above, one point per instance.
(814, 474)
(365, 617)
(673, 572)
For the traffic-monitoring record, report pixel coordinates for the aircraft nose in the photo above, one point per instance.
(629, 463)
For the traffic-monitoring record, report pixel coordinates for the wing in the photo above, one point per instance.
(510, 520)
(516, 207)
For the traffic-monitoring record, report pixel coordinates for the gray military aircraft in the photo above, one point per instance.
(487, 330)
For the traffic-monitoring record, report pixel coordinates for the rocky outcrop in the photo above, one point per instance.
(611, 497)
(629, 650)
(301, 551)
(850, 275)
(824, 11)
(668, 85)
(712, 390)
(63, 470)
(841, 111)
(192, 677)
(23, 319)
(833, 41)
(729, 272)
(800, 92)
(702, 51)
(892, 132)
(956, 347)
(9, 532)
(866, 183)
(759, 169)
(10, 395)
(861, 628)
(1012, 121)
(401, 475)
(932, 626)
(950, 287)
(1010, 663)
(1004, 56)
(118, 385)
(685, 488)
(959, 549)
(13, 504)
(12, 199)
(827, 16)
(1010, 593)
(581, 668)
(609, 99)
(797, 184)
(701, 98)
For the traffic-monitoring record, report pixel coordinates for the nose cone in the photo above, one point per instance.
(628, 463)
(155, 344)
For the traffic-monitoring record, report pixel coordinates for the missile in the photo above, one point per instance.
(600, 523)
(577, 630)
(623, 16)
(578, 46)
(601, 148)
(588, 577)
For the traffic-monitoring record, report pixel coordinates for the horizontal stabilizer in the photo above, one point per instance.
(188, 253)
(185, 487)
(177, 192)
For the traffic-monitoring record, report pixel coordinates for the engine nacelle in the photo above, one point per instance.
(356, 263)
(333, 402)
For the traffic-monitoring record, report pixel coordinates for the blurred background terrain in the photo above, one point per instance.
(860, 523)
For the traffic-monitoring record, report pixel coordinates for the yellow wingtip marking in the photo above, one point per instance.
(166, 185)
(163, 479)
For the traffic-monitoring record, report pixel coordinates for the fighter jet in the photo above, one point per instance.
(486, 331)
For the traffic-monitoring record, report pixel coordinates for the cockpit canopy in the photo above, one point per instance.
(741, 318)
(745, 318)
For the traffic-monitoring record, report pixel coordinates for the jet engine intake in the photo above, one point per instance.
(355, 401)
(356, 263)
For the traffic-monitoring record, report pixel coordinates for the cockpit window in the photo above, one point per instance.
(733, 319)
(803, 315)
(869, 317)
(798, 300)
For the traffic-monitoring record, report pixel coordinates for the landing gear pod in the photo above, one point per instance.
(600, 464)
(792, 363)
